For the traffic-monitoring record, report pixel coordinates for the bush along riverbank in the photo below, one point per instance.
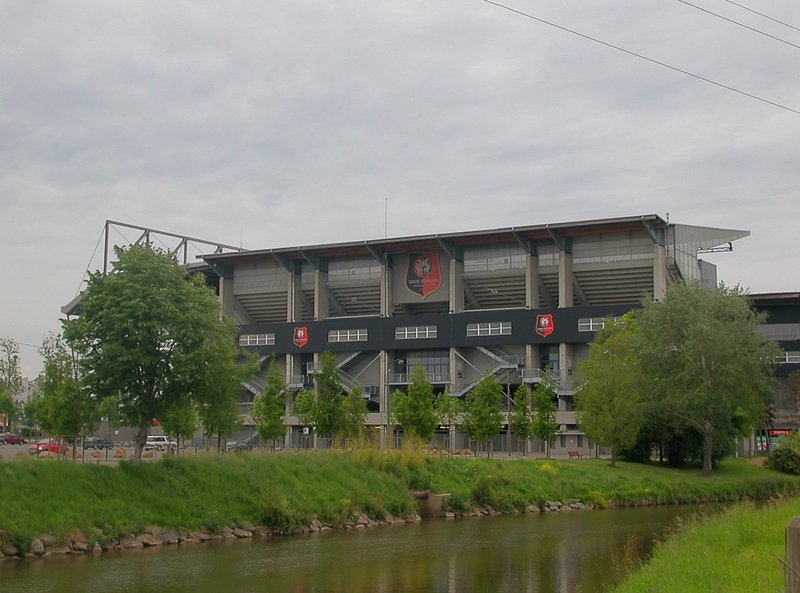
(60, 506)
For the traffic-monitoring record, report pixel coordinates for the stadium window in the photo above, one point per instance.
(592, 324)
(788, 357)
(257, 340)
(499, 328)
(347, 335)
(415, 332)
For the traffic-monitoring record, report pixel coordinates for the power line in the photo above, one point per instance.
(748, 27)
(766, 16)
(643, 57)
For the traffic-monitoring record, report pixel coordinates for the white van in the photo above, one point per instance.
(159, 442)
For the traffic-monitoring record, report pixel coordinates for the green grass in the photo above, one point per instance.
(739, 551)
(285, 491)
(510, 485)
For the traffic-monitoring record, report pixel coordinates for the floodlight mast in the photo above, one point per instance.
(145, 236)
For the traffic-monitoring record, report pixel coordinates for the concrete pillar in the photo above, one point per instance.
(320, 295)
(660, 272)
(532, 302)
(565, 296)
(531, 281)
(383, 404)
(294, 295)
(226, 298)
(565, 365)
(532, 355)
(387, 297)
(456, 381)
(456, 286)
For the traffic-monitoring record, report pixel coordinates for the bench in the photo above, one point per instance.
(574, 455)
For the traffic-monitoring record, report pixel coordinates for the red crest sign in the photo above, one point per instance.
(300, 336)
(545, 325)
(424, 276)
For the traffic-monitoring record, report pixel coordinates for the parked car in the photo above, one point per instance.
(160, 442)
(238, 446)
(52, 445)
(9, 438)
(97, 443)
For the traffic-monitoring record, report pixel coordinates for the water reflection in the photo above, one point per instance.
(547, 553)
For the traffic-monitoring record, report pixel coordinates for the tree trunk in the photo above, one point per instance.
(613, 457)
(708, 451)
(141, 437)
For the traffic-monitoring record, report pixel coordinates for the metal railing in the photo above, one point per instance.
(537, 375)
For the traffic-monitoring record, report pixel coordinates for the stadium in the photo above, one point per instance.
(521, 303)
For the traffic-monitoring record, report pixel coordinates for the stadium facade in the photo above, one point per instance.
(517, 302)
(782, 326)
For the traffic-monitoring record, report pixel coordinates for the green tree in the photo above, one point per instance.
(10, 381)
(68, 409)
(155, 335)
(181, 421)
(483, 418)
(329, 417)
(109, 410)
(706, 362)
(355, 414)
(448, 410)
(8, 410)
(544, 424)
(305, 408)
(609, 399)
(520, 416)
(32, 412)
(414, 409)
(269, 407)
(220, 418)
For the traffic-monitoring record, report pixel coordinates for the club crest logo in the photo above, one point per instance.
(300, 336)
(545, 325)
(424, 276)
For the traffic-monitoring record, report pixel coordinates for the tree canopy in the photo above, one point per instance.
(483, 418)
(10, 380)
(544, 424)
(325, 409)
(155, 336)
(706, 363)
(520, 416)
(67, 409)
(609, 399)
(269, 407)
(330, 392)
(355, 414)
(414, 409)
(448, 412)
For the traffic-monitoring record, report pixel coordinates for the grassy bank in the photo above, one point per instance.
(286, 491)
(739, 551)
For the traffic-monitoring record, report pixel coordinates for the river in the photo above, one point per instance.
(567, 552)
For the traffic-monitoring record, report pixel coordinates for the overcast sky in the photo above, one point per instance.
(289, 122)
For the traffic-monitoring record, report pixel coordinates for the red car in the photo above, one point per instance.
(11, 439)
(52, 445)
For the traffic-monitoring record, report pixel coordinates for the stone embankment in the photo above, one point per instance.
(96, 541)
(550, 506)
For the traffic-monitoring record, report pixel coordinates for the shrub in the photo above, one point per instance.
(279, 515)
(497, 492)
(786, 460)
